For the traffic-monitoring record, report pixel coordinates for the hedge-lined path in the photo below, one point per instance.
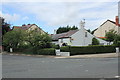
(101, 55)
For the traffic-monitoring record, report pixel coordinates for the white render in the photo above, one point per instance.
(106, 27)
(79, 39)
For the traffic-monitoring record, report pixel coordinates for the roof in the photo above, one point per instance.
(63, 35)
(24, 27)
(109, 21)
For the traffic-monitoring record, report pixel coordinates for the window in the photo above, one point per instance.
(85, 34)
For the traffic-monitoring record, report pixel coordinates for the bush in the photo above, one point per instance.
(55, 46)
(46, 51)
(76, 50)
(65, 49)
(95, 41)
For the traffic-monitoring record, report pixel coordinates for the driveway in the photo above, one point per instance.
(14, 66)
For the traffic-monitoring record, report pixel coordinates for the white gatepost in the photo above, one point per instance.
(117, 50)
(11, 50)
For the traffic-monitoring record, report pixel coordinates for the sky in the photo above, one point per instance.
(50, 15)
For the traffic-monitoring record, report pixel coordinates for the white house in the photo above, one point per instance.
(80, 37)
(106, 27)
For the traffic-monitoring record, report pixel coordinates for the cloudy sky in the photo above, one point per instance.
(51, 15)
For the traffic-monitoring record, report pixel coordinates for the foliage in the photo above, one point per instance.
(95, 41)
(66, 29)
(65, 49)
(76, 50)
(110, 36)
(89, 30)
(5, 26)
(13, 38)
(93, 31)
(117, 40)
(46, 51)
(55, 46)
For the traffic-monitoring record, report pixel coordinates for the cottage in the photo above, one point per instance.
(106, 27)
(29, 27)
(79, 37)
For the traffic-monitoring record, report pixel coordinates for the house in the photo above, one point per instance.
(29, 27)
(106, 27)
(79, 37)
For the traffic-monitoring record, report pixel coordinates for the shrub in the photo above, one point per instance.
(55, 46)
(76, 50)
(46, 51)
(65, 49)
(95, 41)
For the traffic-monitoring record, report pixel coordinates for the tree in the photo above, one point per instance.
(110, 36)
(5, 26)
(93, 31)
(12, 39)
(66, 29)
(89, 30)
(117, 40)
(37, 40)
(95, 41)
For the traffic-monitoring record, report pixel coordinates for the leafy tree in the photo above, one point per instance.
(110, 36)
(95, 41)
(89, 30)
(93, 31)
(37, 40)
(66, 29)
(5, 26)
(117, 40)
(13, 38)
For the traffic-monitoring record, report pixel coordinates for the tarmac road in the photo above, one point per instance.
(14, 66)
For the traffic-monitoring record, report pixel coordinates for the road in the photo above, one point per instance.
(14, 66)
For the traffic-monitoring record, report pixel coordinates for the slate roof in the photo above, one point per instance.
(63, 35)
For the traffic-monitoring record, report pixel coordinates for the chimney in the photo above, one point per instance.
(117, 20)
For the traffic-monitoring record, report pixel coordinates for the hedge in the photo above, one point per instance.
(46, 51)
(76, 50)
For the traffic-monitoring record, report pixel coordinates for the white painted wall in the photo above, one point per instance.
(64, 40)
(79, 38)
(101, 31)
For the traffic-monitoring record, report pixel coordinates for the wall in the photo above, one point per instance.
(33, 27)
(100, 32)
(64, 40)
(79, 38)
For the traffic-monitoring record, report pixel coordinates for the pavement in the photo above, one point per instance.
(100, 55)
(20, 66)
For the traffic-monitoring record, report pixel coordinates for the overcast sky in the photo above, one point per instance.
(51, 15)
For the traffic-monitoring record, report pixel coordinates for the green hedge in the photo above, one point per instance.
(65, 49)
(46, 51)
(76, 50)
